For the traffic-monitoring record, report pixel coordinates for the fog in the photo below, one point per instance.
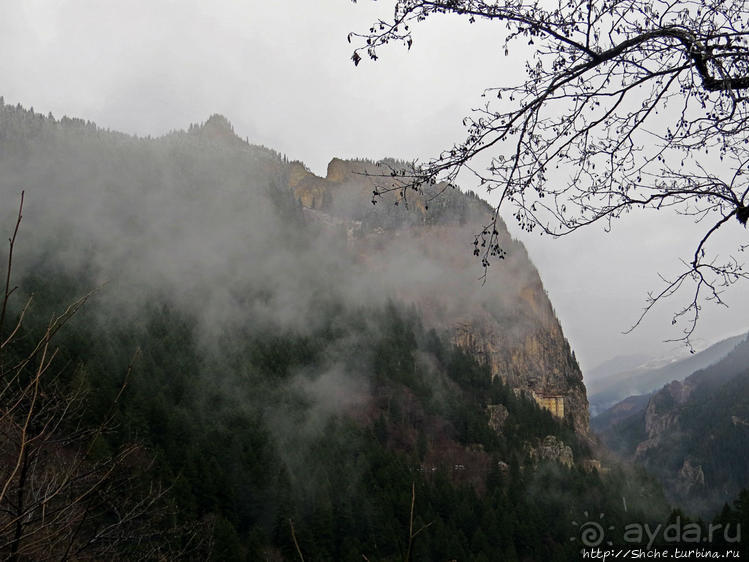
(281, 73)
(205, 225)
(208, 222)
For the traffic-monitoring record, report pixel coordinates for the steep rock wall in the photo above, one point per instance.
(508, 323)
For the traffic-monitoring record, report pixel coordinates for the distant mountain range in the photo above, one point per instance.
(693, 435)
(631, 376)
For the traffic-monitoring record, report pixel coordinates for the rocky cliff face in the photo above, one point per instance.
(508, 323)
(552, 449)
(538, 362)
(662, 414)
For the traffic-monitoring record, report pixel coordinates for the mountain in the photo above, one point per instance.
(620, 411)
(169, 213)
(617, 365)
(692, 434)
(508, 325)
(608, 384)
(299, 369)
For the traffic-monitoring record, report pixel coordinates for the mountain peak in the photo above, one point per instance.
(218, 128)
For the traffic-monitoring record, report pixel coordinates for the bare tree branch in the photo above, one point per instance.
(626, 105)
(59, 500)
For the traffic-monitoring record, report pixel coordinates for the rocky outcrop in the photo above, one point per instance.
(497, 416)
(508, 324)
(313, 192)
(297, 172)
(338, 171)
(691, 478)
(552, 449)
(538, 361)
(662, 414)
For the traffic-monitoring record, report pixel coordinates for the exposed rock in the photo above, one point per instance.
(661, 415)
(338, 170)
(497, 416)
(313, 192)
(538, 362)
(690, 477)
(297, 172)
(691, 434)
(553, 449)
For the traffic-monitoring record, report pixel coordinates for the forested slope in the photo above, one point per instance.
(287, 366)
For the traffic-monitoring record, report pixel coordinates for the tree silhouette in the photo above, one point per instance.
(625, 105)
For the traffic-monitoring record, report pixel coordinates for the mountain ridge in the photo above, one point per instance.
(300, 359)
(691, 433)
(509, 324)
(606, 392)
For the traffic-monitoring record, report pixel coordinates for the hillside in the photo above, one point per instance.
(692, 434)
(295, 362)
(180, 214)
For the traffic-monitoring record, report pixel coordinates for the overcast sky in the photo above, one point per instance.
(280, 71)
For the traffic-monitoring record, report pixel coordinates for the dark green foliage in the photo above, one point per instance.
(264, 407)
(238, 438)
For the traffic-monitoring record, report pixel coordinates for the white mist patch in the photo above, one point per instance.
(333, 392)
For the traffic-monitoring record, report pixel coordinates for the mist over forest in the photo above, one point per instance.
(439, 281)
(297, 372)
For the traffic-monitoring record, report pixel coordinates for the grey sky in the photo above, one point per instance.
(280, 71)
